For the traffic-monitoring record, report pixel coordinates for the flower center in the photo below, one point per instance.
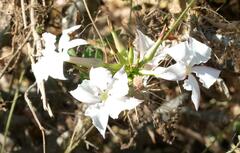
(188, 70)
(103, 96)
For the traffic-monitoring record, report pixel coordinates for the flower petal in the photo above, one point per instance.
(75, 43)
(142, 43)
(86, 93)
(100, 77)
(55, 66)
(99, 116)
(191, 84)
(207, 75)
(202, 53)
(40, 71)
(65, 38)
(50, 64)
(179, 52)
(50, 41)
(120, 84)
(71, 30)
(116, 106)
(174, 72)
(63, 43)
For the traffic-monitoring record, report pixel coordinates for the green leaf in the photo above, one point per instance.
(92, 52)
(72, 52)
(236, 126)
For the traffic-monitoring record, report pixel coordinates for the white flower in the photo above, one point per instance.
(51, 61)
(142, 44)
(186, 55)
(105, 96)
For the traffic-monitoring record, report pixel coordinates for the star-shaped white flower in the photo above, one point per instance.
(142, 44)
(105, 96)
(187, 54)
(52, 59)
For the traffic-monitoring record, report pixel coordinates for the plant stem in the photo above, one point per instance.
(16, 95)
(149, 56)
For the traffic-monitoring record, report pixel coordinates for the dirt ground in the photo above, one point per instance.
(165, 123)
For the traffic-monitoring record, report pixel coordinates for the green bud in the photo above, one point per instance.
(151, 52)
(130, 56)
(119, 46)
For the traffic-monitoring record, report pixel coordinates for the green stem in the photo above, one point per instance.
(178, 20)
(151, 53)
(16, 95)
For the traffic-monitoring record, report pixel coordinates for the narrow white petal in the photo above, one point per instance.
(131, 103)
(121, 74)
(63, 43)
(119, 88)
(76, 42)
(142, 43)
(99, 115)
(191, 84)
(180, 52)
(65, 38)
(50, 64)
(71, 30)
(120, 84)
(40, 71)
(117, 105)
(202, 53)
(49, 40)
(100, 77)
(174, 72)
(54, 65)
(207, 75)
(48, 37)
(85, 93)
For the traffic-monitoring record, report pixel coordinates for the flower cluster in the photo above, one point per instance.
(106, 92)
(188, 54)
(52, 59)
(105, 96)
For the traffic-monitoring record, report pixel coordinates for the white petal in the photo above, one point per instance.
(120, 84)
(180, 52)
(85, 93)
(71, 30)
(63, 43)
(100, 77)
(76, 42)
(202, 53)
(174, 72)
(65, 38)
(49, 40)
(207, 75)
(51, 64)
(40, 71)
(142, 43)
(70, 44)
(99, 115)
(191, 84)
(54, 65)
(116, 106)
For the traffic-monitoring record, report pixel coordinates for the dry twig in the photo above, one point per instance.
(29, 103)
(95, 27)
